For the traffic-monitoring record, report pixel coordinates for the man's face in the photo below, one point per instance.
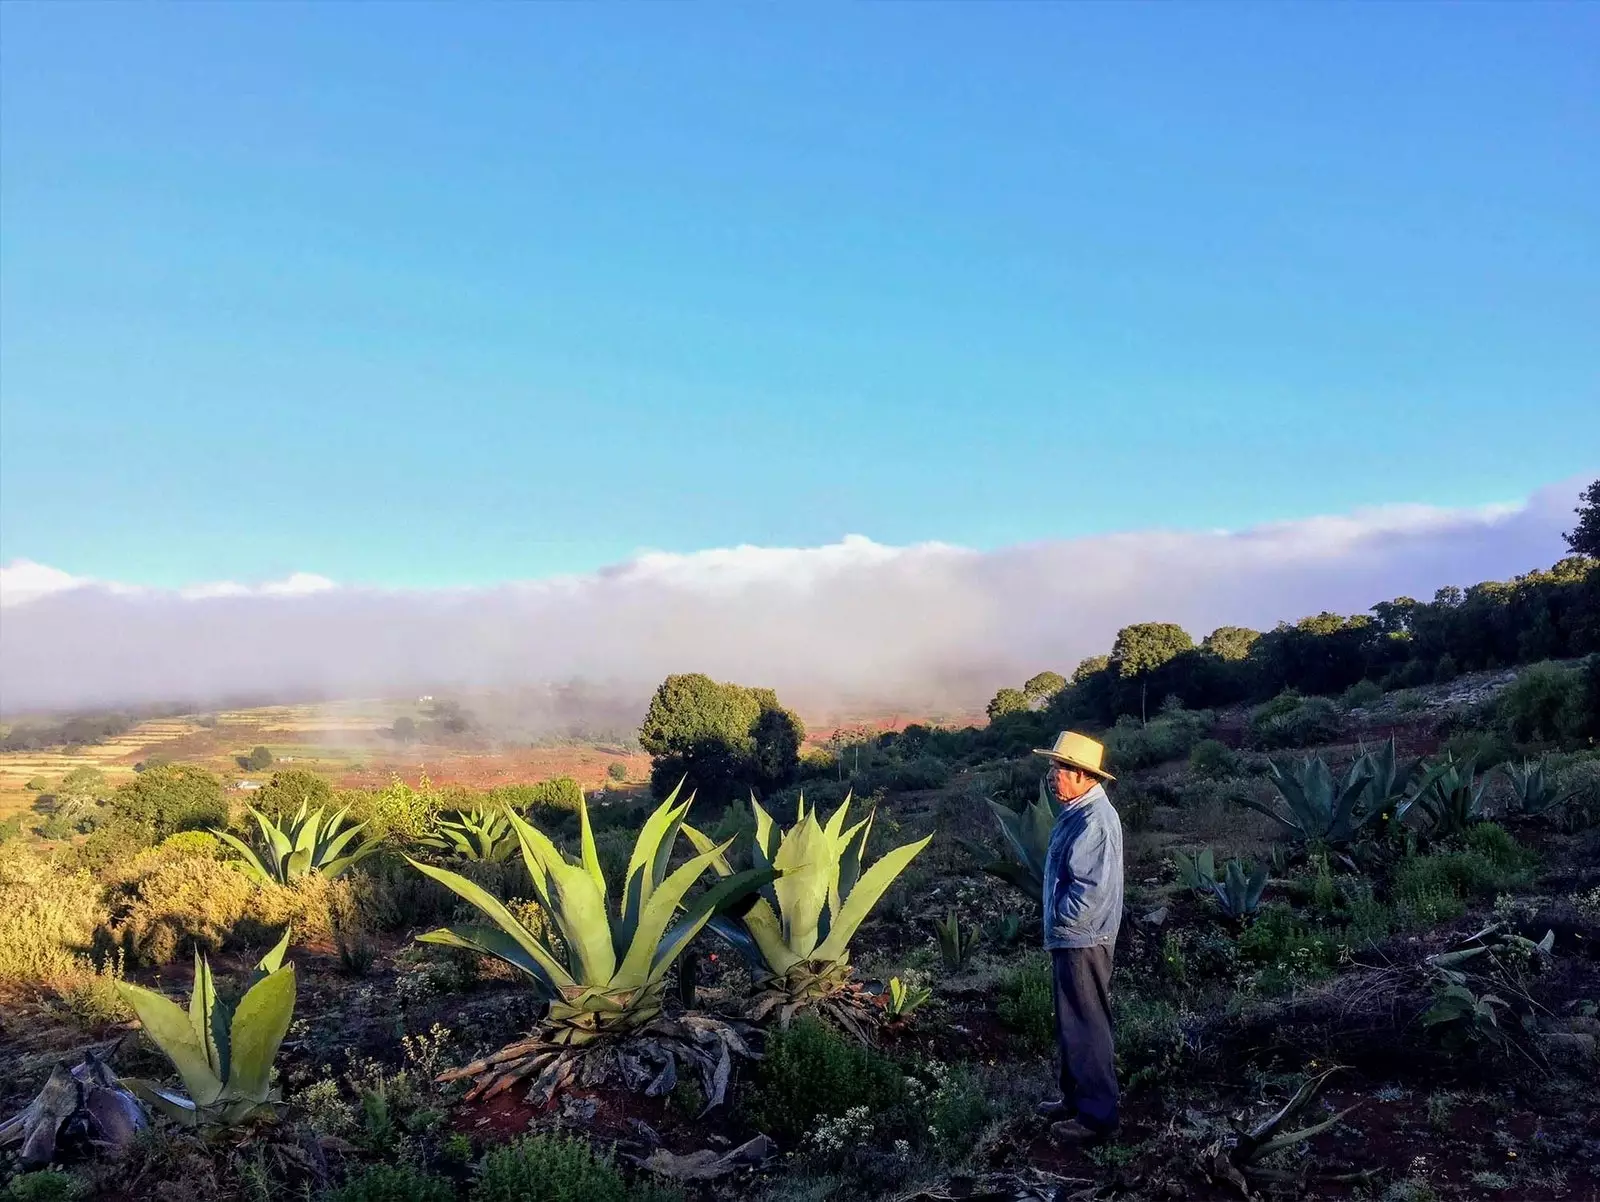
(1068, 784)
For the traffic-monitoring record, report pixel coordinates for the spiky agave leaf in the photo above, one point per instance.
(305, 844)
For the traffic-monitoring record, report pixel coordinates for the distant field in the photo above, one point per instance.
(346, 741)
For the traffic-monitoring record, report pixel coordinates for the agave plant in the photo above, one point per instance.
(1536, 794)
(606, 976)
(223, 1051)
(304, 845)
(1239, 891)
(955, 944)
(1198, 871)
(1322, 812)
(1447, 800)
(904, 999)
(796, 937)
(476, 834)
(1242, 1159)
(1027, 839)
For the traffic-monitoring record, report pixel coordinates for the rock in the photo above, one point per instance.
(1155, 918)
(706, 1165)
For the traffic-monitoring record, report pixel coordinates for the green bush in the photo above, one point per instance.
(1289, 721)
(288, 790)
(1213, 759)
(1170, 735)
(1487, 748)
(1544, 703)
(1496, 844)
(47, 1185)
(1027, 1002)
(1429, 888)
(1362, 695)
(812, 1071)
(957, 1111)
(561, 795)
(617, 770)
(1291, 950)
(1151, 1047)
(168, 798)
(393, 1183)
(547, 1168)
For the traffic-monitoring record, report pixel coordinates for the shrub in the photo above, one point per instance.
(47, 1185)
(50, 916)
(192, 843)
(1496, 845)
(1362, 695)
(956, 1111)
(1169, 736)
(1409, 675)
(1487, 748)
(259, 760)
(1580, 784)
(1027, 1002)
(547, 1168)
(617, 770)
(1543, 704)
(291, 788)
(393, 1183)
(562, 795)
(1429, 887)
(1213, 759)
(1149, 1039)
(812, 1071)
(1290, 949)
(168, 798)
(1290, 720)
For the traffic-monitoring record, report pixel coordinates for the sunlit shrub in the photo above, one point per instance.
(811, 1070)
(547, 1168)
(50, 914)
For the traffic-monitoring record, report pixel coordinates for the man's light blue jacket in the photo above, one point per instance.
(1083, 874)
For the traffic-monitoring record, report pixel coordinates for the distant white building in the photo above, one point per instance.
(247, 784)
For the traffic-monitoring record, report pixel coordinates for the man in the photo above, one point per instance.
(1082, 912)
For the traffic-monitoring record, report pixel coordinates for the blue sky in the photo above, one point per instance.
(424, 295)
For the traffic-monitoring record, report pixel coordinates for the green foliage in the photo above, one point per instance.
(1445, 801)
(1007, 701)
(617, 770)
(1150, 1043)
(1239, 891)
(722, 739)
(1459, 1017)
(1145, 646)
(1361, 695)
(812, 1071)
(1545, 703)
(1042, 687)
(398, 1182)
(1432, 887)
(1584, 538)
(168, 798)
(903, 999)
(1318, 811)
(1290, 720)
(547, 1168)
(291, 788)
(800, 927)
(1170, 736)
(222, 1050)
(302, 846)
(1213, 759)
(955, 944)
(259, 759)
(476, 834)
(1198, 871)
(47, 1185)
(1287, 949)
(608, 971)
(1026, 836)
(1027, 1002)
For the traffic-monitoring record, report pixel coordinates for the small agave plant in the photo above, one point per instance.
(1243, 1160)
(1027, 839)
(796, 937)
(1447, 800)
(606, 976)
(223, 1051)
(904, 1000)
(304, 845)
(476, 834)
(1534, 791)
(1240, 889)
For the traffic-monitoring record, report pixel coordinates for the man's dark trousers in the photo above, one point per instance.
(1083, 1034)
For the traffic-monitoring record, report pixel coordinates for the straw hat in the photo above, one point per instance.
(1078, 751)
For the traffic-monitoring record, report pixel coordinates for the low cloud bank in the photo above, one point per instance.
(855, 623)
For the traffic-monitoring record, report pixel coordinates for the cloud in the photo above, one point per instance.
(852, 623)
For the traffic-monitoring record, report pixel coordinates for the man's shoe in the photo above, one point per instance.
(1052, 1110)
(1072, 1133)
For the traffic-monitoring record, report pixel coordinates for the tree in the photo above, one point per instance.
(259, 759)
(1230, 643)
(723, 739)
(1090, 666)
(1042, 687)
(404, 729)
(82, 787)
(1584, 538)
(617, 770)
(1007, 701)
(1142, 648)
(168, 798)
(291, 788)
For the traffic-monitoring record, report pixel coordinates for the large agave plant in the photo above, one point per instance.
(476, 834)
(305, 844)
(796, 937)
(223, 1051)
(1027, 839)
(1322, 812)
(1447, 800)
(606, 974)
